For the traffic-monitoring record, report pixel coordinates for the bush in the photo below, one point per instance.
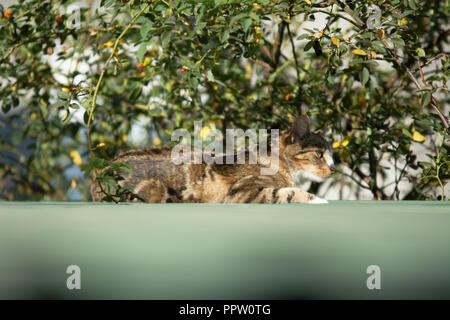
(76, 80)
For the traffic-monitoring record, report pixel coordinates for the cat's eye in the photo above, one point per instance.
(319, 154)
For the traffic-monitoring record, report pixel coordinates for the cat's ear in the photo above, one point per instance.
(300, 128)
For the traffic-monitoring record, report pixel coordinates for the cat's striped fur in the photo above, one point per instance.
(157, 179)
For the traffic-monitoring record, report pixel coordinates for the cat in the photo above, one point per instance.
(158, 180)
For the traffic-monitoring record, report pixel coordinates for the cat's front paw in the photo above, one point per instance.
(317, 200)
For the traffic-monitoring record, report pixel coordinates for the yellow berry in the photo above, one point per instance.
(147, 61)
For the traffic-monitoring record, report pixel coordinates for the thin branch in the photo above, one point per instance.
(336, 15)
(378, 193)
(353, 179)
(11, 50)
(97, 87)
(298, 97)
(262, 64)
(276, 50)
(322, 4)
(421, 75)
(440, 55)
(275, 59)
(350, 12)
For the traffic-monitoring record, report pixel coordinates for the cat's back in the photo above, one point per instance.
(144, 153)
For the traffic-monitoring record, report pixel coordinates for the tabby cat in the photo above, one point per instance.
(157, 179)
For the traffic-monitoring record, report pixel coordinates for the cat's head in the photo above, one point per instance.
(307, 151)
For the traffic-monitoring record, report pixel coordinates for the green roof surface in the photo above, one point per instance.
(215, 251)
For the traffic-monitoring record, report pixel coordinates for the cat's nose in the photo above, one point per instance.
(332, 168)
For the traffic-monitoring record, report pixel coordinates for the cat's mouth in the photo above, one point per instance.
(325, 172)
(312, 175)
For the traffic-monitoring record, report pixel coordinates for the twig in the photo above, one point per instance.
(376, 191)
(353, 178)
(350, 12)
(336, 15)
(390, 6)
(275, 59)
(421, 75)
(11, 50)
(97, 87)
(322, 4)
(383, 58)
(262, 64)
(298, 97)
(276, 50)
(440, 55)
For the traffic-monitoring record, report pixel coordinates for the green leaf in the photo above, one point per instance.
(303, 36)
(210, 75)
(424, 164)
(86, 117)
(155, 112)
(140, 198)
(225, 36)
(63, 95)
(412, 4)
(199, 27)
(308, 45)
(6, 105)
(86, 103)
(145, 29)
(398, 42)
(141, 52)
(61, 103)
(272, 77)
(406, 132)
(44, 110)
(165, 38)
(246, 24)
(420, 52)
(68, 117)
(426, 97)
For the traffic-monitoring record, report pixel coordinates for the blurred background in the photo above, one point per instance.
(130, 72)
